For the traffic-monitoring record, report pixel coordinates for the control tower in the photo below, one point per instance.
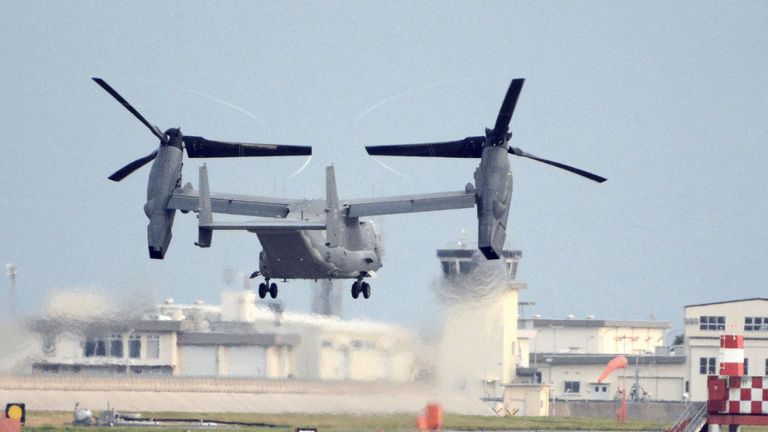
(480, 348)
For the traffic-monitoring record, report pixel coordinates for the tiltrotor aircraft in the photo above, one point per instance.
(321, 239)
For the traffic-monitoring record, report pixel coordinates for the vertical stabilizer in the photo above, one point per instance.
(205, 215)
(334, 226)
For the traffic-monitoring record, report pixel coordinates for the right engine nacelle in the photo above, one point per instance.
(494, 190)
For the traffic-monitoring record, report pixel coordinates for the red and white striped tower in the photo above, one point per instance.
(731, 355)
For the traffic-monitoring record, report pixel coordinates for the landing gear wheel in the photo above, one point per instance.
(366, 289)
(355, 290)
(273, 290)
(262, 290)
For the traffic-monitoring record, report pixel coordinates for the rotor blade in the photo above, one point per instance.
(130, 108)
(507, 108)
(199, 147)
(131, 167)
(594, 177)
(469, 147)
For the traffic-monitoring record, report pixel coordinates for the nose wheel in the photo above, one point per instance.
(266, 287)
(360, 287)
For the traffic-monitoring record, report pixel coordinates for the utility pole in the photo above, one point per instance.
(11, 272)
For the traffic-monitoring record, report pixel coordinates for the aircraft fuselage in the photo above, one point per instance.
(307, 254)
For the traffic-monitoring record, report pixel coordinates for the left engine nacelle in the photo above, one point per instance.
(164, 177)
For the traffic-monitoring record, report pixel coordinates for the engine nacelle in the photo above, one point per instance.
(491, 236)
(159, 234)
(164, 177)
(494, 191)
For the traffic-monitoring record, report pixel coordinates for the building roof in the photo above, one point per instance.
(546, 323)
(543, 359)
(262, 339)
(729, 301)
(105, 325)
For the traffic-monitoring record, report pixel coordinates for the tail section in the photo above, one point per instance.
(333, 220)
(205, 215)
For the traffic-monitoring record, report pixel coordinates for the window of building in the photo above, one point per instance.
(447, 267)
(766, 367)
(101, 347)
(49, 343)
(95, 347)
(466, 267)
(153, 346)
(756, 324)
(601, 388)
(116, 345)
(746, 367)
(89, 350)
(707, 365)
(572, 386)
(711, 323)
(134, 346)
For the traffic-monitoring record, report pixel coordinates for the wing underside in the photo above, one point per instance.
(266, 226)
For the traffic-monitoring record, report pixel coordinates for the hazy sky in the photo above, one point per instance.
(667, 99)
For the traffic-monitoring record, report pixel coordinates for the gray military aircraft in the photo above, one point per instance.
(321, 239)
(300, 239)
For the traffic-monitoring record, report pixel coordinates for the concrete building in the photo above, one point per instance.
(596, 336)
(647, 377)
(704, 323)
(240, 338)
(570, 354)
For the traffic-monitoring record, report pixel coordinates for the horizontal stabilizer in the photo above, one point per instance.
(469, 147)
(199, 147)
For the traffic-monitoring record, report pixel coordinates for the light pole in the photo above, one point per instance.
(11, 272)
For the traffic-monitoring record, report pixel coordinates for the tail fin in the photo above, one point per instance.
(334, 230)
(205, 217)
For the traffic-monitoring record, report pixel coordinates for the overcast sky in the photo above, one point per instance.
(667, 99)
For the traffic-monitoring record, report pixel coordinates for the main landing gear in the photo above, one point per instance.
(266, 287)
(360, 287)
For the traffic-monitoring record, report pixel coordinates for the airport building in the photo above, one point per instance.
(705, 323)
(570, 354)
(484, 349)
(240, 338)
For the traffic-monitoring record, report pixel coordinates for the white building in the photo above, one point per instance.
(646, 377)
(705, 323)
(570, 354)
(240, 338)
(596, 336)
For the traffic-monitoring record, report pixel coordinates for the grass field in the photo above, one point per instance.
(61, 421)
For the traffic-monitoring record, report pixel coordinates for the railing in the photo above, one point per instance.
(691, 419)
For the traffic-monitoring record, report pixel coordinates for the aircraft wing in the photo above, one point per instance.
(410, 203)
(187, 199)
(265, 226)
